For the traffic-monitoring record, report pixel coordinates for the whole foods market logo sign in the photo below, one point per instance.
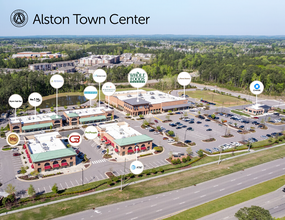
(137, 78)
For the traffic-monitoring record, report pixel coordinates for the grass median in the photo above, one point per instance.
(151, 187)
(230, 200)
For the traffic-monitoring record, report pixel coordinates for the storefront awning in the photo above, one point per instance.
(96, 118)
(47, 167)
(137, 149)
(116, 150)
(55, 165)
(30, 160)
(130, 151)
(143, 148)
(37, 126)
(64, 164)
(108, 142)
(32, 166)
(175, 106)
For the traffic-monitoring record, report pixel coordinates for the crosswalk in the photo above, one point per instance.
(99, 161)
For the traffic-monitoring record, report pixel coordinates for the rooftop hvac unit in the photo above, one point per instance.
(152, 97)
(129, 96)
(51, 139)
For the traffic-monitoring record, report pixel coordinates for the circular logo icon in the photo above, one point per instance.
(108, 89)
(19, 18)
(137, 78)
(56, 81)
(35, 99)
(13, 139)
(136, 167)
(90, 92)
(99, 76)
(91, 132)
(184, 78)
(74, 139)
(15, 101)
(256, 87)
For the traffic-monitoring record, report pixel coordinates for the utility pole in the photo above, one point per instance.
(122, 178)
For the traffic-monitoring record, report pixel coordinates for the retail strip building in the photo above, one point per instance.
(124, 139)
(35, 122)
(48, 151)
(148, 102)
(88, 115)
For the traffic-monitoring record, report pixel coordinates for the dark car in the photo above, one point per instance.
(165, 138)
(103, 151)
(155, 121)
(19, 172)
(191, 122)
(187, 141)
(280, 134)
(94, 124)
(242, 126)
(77, 151)
(166, 131)
(177, 123)
(190, 128)
(199, 122)
(178, 127)
(98, 147)
(177, 113)
(184, 126)
(274, 134)
(276, 113)
(268, 135)
(173, 125)
(16, 154)
(209, 129)
(151, 130)
(201, 116)
(239, 131)
(207, 119)
(101, 123)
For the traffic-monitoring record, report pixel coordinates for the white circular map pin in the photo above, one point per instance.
(13, 139)
(136, 167)
(35, 99)
(184, 78)
(15, 101)
(90, 92)
(108, 89)
(256, 87)
(99, 76)
(74, 139)
(91, 132)
(56, 81)
(137, 78)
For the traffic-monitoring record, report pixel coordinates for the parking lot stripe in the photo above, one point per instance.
(101, 176)
(38, 189)
(76, 182)
(96, 178)
(61, 186)
(87, 179)
(66, 185)
(45, 189)
(155, 164)
(71, 183)
(49, 187)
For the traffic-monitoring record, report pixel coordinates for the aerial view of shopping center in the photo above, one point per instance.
(132, 111)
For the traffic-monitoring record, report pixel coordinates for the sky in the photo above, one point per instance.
(180, 17)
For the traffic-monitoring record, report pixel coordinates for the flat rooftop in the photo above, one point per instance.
(153, 97)
(46, 142)
(34, 118)
(88, 111)
(120, 130)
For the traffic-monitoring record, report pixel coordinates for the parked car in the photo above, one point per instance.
(209, 150)
(16, 154)
(179, 127)
(189, 128)
(77, 151)
(216, 149)
(103, 151)
(155, 121)
(151, 130)
(165, 138)
(156, 133)
(207, 119)
(177, 113)
(18, 171)
(239, 131)
(209, 129)
(199, 122)
(184, 126)
(187, 141)
(98, 147)
(191, 122)
(94, 124)
(268, 135)
(206, 125)
(256, 117)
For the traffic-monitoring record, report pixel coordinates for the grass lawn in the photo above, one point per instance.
(230, 200)
(151, 187)
(240, 113)
(220, 100)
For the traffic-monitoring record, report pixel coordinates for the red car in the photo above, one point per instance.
(165, 138)
(16, 154)
(155, 121)
(256, 117)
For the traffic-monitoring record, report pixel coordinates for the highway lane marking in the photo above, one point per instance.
(263, 170)
(77, 182)
(153, 205)
(181, 203)
(203, 196)
(239, 183)
(159, 210)
(196, 191)
(129, 213)
(176, 198)
(222, 189)
(215, 185)
(233, 180)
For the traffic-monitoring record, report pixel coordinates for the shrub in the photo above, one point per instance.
(55, 188)
(154, 171)
(178, 161)
(109, 182)
(184, 160)
(188, 158)
(147, 172)
(173, 161)
(161, 170)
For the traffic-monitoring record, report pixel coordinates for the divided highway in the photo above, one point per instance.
(163, 204)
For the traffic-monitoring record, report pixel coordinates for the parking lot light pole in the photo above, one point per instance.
(220, 157)
(82, 176)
